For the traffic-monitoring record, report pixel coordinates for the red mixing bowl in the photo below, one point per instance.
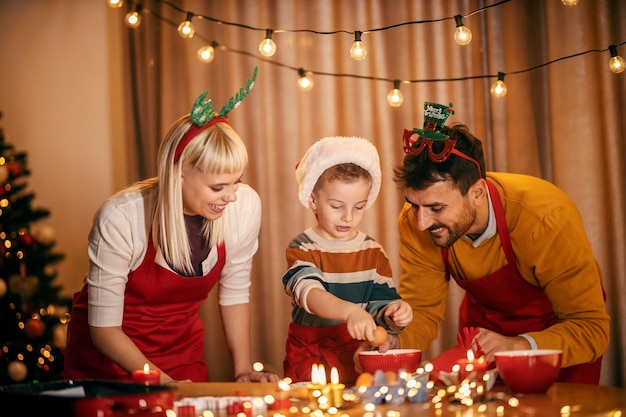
(393, 360)
(529, 371)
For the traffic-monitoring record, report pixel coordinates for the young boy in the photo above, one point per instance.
(339, 278)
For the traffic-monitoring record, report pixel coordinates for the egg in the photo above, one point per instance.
(380, 336)
(391, 378)
(364, 380)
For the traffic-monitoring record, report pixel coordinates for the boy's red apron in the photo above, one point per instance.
(331, 346)
(160, 317)
(506, 303)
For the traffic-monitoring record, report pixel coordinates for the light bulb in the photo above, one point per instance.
(267, 47)
(305, 82)
(569, 2)
(133, 20)
(616, 63)
(462, 35)
(498, 89)
(206, 53)
(358, 50)
(395, 97)
(186, 29)
(115, 3)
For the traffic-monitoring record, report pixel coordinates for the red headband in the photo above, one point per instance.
(194, 131)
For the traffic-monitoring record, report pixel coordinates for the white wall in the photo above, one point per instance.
(54, 96)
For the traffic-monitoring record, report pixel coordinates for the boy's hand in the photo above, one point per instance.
(361, 325)
(400, 312)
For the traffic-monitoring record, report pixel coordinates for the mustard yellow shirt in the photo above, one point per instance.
(552, 252)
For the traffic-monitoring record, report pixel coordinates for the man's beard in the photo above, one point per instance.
(457, 230)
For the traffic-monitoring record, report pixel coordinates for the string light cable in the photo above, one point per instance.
(498, 88)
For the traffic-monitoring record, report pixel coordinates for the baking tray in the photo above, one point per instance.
(85, 398)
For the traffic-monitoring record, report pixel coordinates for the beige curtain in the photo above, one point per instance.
(564, 121)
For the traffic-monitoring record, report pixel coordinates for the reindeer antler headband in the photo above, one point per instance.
(203, 115)
(435, 116)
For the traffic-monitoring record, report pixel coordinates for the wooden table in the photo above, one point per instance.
(561, 400)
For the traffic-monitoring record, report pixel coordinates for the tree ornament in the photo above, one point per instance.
(3, 288)
(44, 235)
(17, 371)
(4, 174)
(25, 238)
(25, 287)
(34, 328)
(15, 168)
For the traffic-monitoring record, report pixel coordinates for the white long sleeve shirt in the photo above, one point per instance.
(118, 242)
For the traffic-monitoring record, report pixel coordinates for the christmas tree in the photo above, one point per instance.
(33, 316)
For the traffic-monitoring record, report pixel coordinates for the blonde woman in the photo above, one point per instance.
(157, 249)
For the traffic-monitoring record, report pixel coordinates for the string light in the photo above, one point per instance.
(116, 4)
(616, 63)
(498, 89)
(133, 19)
(207, 53)
(462, 35)
(569, 2)
(267, 47)
(305, 82)
(395, 97)
(358, 51)
(186, 29)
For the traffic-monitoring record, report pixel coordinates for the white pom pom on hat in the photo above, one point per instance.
(335, 150)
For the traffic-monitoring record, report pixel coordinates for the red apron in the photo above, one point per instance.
(160, 317)
(331, 346)
(506, 303)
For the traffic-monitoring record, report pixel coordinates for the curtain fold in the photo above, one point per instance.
(564, 122)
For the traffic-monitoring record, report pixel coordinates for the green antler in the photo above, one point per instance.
(235, 101)
(202, 111)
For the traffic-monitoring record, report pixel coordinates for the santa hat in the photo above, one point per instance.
(331, 151)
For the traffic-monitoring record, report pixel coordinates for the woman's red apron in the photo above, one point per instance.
(506, 303)
(160, 317)
(331, 346)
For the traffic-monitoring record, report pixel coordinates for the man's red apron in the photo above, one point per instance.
(160, 317)
(331, 346)
(506, 303)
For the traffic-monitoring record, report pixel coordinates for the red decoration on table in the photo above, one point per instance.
(473, 368)
(465, 341)
(146, 375)
(186, 411)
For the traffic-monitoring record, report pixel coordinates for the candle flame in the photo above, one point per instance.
(146, 369)
(470, 355)
(334, 376)
(322, 374)
(314, 376)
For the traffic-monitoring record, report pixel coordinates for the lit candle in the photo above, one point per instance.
(336, 389)
(146, 375)
(471, 367)
(321, 372)
(314, 388)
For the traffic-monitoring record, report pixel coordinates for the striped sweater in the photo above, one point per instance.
(357, 271)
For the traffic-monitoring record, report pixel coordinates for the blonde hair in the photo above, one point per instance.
(218, 150)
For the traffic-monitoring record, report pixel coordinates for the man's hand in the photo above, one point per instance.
(491, 342)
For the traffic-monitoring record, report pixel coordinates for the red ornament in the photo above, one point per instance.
(34, 328)
(26, 239)
(15, 168)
